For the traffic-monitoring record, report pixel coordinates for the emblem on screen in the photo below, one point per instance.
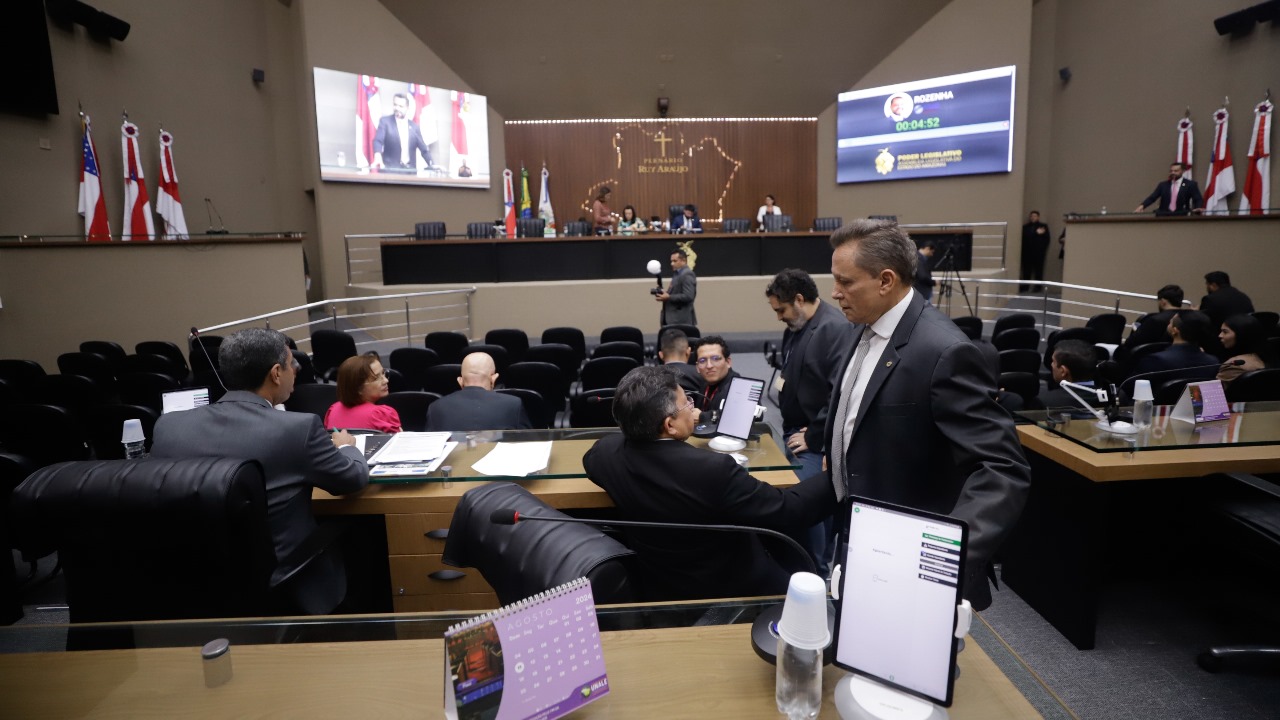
(884, 162)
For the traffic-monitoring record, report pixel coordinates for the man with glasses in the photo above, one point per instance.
(651, 474)
(716, 368)
(296, 454)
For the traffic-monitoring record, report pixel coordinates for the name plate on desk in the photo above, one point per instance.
(1202, 402)
(537, 658)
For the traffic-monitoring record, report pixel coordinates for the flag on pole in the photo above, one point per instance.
(460, 108)
(137, 205)
(544, 206)
(368, 107)
(1222, 177)
(509, 202)
(93, 206)
(168, 202)
(526, 208)
(1256, 198)
(1186, 145)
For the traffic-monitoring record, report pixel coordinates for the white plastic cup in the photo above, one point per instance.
(132, 432)
(1142, 390)
(804, 614)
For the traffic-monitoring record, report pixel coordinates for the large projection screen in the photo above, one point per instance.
(379, 130)
(954, 125)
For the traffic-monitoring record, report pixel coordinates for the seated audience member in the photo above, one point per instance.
(361, 384)
(1153, 327)
(630, 224)
(1223, 300)
(716, 368)
(687, 222)
(296, 454)
(1190, 331)
(651, 474)
(673, 350)
(476, 406)
(1241, 336)
(1073, 361)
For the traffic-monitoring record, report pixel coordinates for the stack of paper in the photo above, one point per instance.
(407, 447)
(514, 459)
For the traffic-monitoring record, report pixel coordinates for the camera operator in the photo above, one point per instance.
(677, 299)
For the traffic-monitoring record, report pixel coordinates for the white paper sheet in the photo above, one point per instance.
(411, 447)
(515, 459)
(412, 469)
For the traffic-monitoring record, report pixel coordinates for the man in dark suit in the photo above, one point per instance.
(476, 406)
(677, 299)
(687, 222)
(923, 281)
(1035, 245)
(1153, 327)
(651, 474)
(915, 422)
(1190, 331)
(296, 454)
(715, 365)
(398, 139)
(1176, 196)
(1073, 361)
(673, 351)
(1223, 299)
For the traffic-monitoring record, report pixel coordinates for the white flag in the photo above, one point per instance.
(168, 201)
(544, 205)
(138, 222)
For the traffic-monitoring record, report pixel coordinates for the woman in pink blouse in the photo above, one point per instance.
(361, 383)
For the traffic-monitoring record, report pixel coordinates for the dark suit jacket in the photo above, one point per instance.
(671, 481)
(812, 370)
(474, 408)
(680, 222)
(296, 455)
(1176, 357)
(1224, 303)
(1057, 397)
(690, 380)
(678, 309)
(713, 395)
(1188, 198)
(1152, 328)
(387, 142)
(930, 435)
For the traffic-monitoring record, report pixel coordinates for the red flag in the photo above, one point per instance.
(168, 202)
(137, 205)
(1256, 198)
(1222, 179)
(367, 104)
(93, 206)
(509, 200)
(459, 125)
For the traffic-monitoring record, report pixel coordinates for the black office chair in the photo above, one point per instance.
(396, 381)
(13, 470)
(413, 363)
(592, 408)
(777, 223)
(328, 349)
(1015, 338)
(146, 389)
(447, 344)
(46, 434)
(315, 398)
(619, 348)
(1269, 320)
(203, 352)
(514, 340)
(543, 378)
(1086, 334)
(971, 325)
(570, 336)
(622, 333)
(90, 365)
(541, 417)
(306, 373)
(577, 229)
(1255, 386)
(104, 424)
(1109, 327)
(1164, 378)
(1023, 384)
(605, 372)
(1139, 352)
(165, 348)
(736, 225)
(1019, 360)
(150, 363)
(827, 224)
(529, 557)
(73, 392)
(110, 351)
(558, 354)
(480, 230)
(1014, 320)
(530, 227)
(690, 331)
(442, 379)
(22, 377)
(501, 358)
(412, 408)
(434, 230)
(152, 539)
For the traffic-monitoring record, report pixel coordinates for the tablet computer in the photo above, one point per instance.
(896, 619)
(739, 409)
(188, 399)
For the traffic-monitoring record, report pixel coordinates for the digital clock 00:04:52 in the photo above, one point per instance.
(921, 124)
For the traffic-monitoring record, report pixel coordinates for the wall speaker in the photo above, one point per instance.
(259, 76)
(664, 106)
(98, 23)
(1064, 74)
(1241, 22)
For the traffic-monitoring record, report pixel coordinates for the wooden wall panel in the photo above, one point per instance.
(725, 167)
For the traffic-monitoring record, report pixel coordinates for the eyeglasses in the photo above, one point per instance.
(682, 408)
(715, 359)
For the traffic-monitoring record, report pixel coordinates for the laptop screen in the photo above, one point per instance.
(184, 400)
(740, 407)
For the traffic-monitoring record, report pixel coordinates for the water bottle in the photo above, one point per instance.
(1104, 209)
(133, 439)
(1143, 404)
(802, 635)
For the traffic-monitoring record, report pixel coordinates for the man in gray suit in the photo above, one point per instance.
(677, 299)
(295, 452)
(914, 421)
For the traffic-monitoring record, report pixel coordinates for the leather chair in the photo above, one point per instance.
(592, 408)
(514, 340)
(1014, 338)
(1255, 386)
(1087, 334)
(777, 223)
(541, 417)
(827, 224)
(1268, 319)
(146, 389)
(690, 331)
(150, 363)
(529, 557)
(530, 227)
(165, 348)
(558, 354)
(480, 230)
(545, 379)
(90, 365)
(1109, 327)
(412, 408)
(1023, 384)
(1013, 320)
(45, 434)
(605, 372)
(577, 229)
(624, 333)
(1019, 361)
(442, 379)
(306, 374)
(203, 352)
(429, 231)
(571, 336)
(110, 351)
(1135, 355)
(619, 348)
(152, 539)
(314, 398)
(413, 363)
(22, 377)
(736, 225)
(396, 381)
(447, 344)
(103, 425)
(328, 349)
(971, 325)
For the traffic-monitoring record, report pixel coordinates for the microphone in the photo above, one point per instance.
(210, 210)
(510, 516)
(195, 335)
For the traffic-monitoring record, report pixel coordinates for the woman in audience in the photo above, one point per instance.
(630, 224)
(1241, 335)
(601, 218)
(361, 383)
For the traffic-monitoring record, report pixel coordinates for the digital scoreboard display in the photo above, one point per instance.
(954, 125)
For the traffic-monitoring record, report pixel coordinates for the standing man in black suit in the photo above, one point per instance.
(476, 406)
(652, 474)
(914, 421)
(1035, 244)
(398, 139)
(677, 299)
(1176, 196)
(1222, 301)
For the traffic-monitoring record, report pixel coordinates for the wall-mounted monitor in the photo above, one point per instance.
(379, 130)
(954, 125)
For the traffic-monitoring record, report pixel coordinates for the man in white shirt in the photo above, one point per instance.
(914, 421)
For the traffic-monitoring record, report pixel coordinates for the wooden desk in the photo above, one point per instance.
(1055, 556)
(707, 672)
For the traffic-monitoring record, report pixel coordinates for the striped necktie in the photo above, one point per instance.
(838, 477)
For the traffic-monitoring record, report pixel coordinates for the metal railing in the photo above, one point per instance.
(364, 256)
(990, 241)
(966, 295)
(421, 314)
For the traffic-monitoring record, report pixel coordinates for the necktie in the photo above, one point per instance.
(842, 412)
(1173, 194)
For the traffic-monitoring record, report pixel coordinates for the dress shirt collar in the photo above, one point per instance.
(888, 322)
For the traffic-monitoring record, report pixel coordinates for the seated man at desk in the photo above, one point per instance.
(1073, 361)
(476, 406)
(716, 368)
(673, 350)
(1191, 331)
(651, 474)
(295, 452)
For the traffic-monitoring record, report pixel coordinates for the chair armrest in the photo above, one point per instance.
(1255, 482)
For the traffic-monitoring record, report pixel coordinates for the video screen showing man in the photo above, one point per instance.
(399, 140)
(651, 474)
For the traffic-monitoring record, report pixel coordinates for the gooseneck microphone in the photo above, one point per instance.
(509, 516)
(210, 210)
(195, 336)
